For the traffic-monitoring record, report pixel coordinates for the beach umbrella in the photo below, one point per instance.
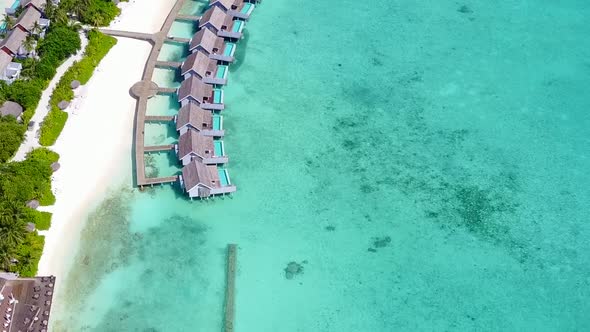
(63, 105)
(75, 84)
(55, 166)
(33, 204)
(30, 227)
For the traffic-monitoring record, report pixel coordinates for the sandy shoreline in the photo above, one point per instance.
(95, 145)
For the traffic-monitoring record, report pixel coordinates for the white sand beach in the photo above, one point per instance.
(97, 139)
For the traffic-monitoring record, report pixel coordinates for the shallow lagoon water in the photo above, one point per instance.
(427, 170)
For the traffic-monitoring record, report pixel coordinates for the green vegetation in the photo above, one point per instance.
(20, 182)
(11, 134)
(98, 46)
(93, 12)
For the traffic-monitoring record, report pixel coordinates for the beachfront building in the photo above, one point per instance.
(237, 8)
(25, 303)
(192, 117)
(207, 70)
(39, 5)
(9, 71)
(215, 47)
(200, 180)
(13, 42)
(193, 146)
(193, 90)
(221, 23)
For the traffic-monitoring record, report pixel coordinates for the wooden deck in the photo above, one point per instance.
(157, 148)
(178, 40)
(230, 289)
(167, 90)
(129, 34)
(168, 64)
(183, 17)
(158, 118)
(144, 93)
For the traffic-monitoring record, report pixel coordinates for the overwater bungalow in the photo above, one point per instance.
(207, 70)
(237, 8)
(193, 90)
(13, 41)
(221, 23)
(192, 145)
(25, 303)
(192, 117)
(214, 46)
(200, 180)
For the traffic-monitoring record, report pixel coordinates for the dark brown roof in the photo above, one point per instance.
(14, 40)
(208, 41)
(195, 143)
(28, 18)
(197, 173)
(217, 18)
(193, 115)
(11, 108)
(34, 296)
(199, 63)
(195, 88)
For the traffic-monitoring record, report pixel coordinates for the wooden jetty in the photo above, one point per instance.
(230, 291)
(159, 118)
(178, 40)
(169, 179)
(129, 34)
(158, 148)
(166, 90)
(168, 64)
(183, 17)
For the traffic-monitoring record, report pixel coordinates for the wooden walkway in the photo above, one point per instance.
(158, 118)
(129, 34)
(178, 40)
(168, 64)
(144, 93)
(184, 17)
(167, 90)
(230, 289)
(157, 148)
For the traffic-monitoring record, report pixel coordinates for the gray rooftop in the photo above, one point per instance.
(217, 18)
(194, 88)
(28, 18)
(200, 64)
(14, 40)
(208, 40)
(11, 108)
(37, 3)
(195, 143)
(194, 116)
(196, 173)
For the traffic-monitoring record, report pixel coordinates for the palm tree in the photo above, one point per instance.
(9, 21)
(12, 224)
(29, 44)
(36, 30)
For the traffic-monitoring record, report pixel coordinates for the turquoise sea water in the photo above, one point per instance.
(425, 162)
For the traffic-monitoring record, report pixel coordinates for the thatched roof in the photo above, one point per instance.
(14, 40)
(62, 105)
(28, 18)
(33, 204)
(196, 89)
(75, 84)
(216, 18)
(192, 142)
(55, 166)
(11, 108)
(196, 173)
(194, 116)
(208, 40)
(200, 64)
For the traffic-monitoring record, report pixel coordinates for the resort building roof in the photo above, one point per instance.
(197, 90)
(207, 40)
(192, 142)
(27, 19)
(237, 8)
(198, 63)
(25, 303)
(215, 18)
(13, 41)
(194, 116)
(38, 4)
(197, 173)
(5, 59)
(11, 108)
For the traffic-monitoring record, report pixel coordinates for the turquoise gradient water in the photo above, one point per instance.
(425, 163)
